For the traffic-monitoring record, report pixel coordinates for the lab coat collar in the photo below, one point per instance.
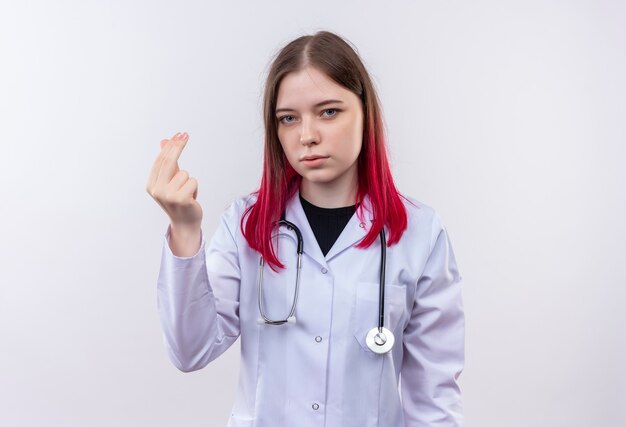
(353, 232)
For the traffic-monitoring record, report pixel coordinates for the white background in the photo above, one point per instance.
(507, 117)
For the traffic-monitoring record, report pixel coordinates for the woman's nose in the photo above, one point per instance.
(308, 133)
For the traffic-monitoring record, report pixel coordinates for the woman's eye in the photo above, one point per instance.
(285, 119)
(333, 112)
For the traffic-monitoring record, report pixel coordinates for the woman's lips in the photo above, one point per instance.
(313, 157)
(313, 160)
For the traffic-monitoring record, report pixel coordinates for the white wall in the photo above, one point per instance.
(507, 117)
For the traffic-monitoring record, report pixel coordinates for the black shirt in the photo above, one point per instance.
(327, 223)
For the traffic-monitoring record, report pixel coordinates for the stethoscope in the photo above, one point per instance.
(379, 339)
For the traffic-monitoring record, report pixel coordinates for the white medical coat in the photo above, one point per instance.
(319, 371)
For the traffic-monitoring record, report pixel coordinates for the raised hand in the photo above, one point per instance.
(176, 193)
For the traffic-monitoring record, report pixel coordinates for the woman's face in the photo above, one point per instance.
(320, 127)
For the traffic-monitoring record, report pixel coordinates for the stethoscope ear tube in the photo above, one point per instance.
(293, 227)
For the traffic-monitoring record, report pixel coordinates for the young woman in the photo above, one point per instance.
(345, 293)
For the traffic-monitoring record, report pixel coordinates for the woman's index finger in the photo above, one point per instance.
(158, 162)
(178, 143)
(169, 165)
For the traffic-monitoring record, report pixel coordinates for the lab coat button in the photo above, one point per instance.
(324, 270)
(318, 339)
(316, 406)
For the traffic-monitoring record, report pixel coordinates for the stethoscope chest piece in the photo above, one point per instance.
(380, 342)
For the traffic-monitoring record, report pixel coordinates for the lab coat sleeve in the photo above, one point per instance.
(433, 341)
(200, 317)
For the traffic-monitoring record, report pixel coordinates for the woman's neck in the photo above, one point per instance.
(337, 194)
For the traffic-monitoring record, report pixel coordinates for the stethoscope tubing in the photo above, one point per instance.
(380, 340)
(383, 264)
(300, 249)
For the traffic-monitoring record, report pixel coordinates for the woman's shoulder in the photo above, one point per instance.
(237, 206)
(417, 210)
(421, 216)
(241, 203)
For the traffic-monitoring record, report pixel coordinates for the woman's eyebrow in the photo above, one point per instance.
(319, 104)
